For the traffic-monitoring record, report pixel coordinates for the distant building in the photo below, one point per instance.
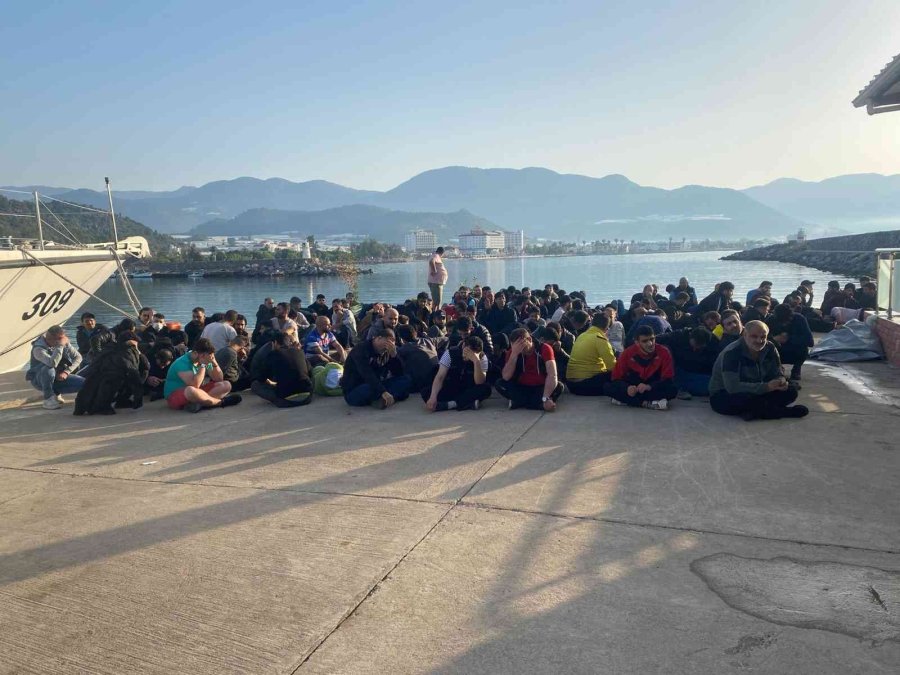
(482, 242)
(514, 241)
(420, 240)
(800, 237)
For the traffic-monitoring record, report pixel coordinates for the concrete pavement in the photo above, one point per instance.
(331, 540)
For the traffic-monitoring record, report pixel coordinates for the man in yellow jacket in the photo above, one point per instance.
(592, 359)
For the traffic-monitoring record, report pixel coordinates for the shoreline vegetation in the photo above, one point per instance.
(851, 255)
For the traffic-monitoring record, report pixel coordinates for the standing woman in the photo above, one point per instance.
(437, 276)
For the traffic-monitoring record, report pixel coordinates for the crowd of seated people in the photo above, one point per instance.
(529, 346)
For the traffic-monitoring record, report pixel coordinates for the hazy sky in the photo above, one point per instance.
(367, 94)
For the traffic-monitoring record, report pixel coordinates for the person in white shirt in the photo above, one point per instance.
(461, 380)
(221, 333)
(565, 306)
(616, 331)
(437, 276)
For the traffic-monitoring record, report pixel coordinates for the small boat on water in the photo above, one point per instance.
(197, 275)
(140, 275)
(46, 282)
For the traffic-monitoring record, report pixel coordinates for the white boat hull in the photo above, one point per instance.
(33, 298)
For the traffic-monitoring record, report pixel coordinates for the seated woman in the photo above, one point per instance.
(747, 379)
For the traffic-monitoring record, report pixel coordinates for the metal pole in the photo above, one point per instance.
(37, 214)
(112, 213)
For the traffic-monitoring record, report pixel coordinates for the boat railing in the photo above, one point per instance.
(888, 280)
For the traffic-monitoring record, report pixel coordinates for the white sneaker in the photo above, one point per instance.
(661, 404)
(615, 401)
(52, 404)
(59, 397)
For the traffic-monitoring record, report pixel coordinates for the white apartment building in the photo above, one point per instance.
(481, 242)
(420, 240)
(514, 241)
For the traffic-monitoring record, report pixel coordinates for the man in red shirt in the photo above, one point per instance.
(529, 378)
(644, 374)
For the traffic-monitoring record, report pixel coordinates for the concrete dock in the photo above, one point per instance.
(596, 539)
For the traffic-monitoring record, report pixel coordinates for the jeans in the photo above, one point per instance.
(44, 380)
(590, 386)
(362, 395)
(664, 389)
(766, 406)
(524, 396)
(696, 384)
(437, 291)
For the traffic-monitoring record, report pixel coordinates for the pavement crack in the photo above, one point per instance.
(876, 598)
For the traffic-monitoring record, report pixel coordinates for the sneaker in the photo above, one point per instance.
(59, 397)
(379, 403)
(193, 407)
(615, 401)
(661, 404)
(684, 395)
(476, 405)
(52, 403)
(231, 399)
(796, 411)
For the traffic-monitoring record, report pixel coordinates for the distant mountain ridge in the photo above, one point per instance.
(858, 202)
(542, 202)
(379, 223)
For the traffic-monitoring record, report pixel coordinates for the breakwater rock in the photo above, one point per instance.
(245, 268)
(851, 255)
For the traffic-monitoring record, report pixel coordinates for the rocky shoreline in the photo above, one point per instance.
(243, 268)
(851, 255)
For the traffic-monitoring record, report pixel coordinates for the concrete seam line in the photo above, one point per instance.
(378, 583)
(717, 533)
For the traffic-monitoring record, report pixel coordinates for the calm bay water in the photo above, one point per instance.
(602, 277)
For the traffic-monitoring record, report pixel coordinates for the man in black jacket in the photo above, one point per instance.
(282, 373)
(694, 351)
(373, 373)
(115, 377)
(499, 317)
(194, 327)
(719, 300)
(466, 326)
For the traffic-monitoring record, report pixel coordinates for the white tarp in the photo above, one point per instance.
(854, 341)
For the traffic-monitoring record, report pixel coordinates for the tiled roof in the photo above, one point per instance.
(886, 80)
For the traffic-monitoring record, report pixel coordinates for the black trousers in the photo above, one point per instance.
(767, 406)
(795, 355)
(524, 396)
(590, 386)
(465, 396)
(618, 389)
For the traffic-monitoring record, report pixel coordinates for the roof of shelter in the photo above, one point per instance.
(882, 94)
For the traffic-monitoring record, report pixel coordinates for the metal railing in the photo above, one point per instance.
(888, 280)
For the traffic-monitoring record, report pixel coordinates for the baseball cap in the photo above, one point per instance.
(439, 313)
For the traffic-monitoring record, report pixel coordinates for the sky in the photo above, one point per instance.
(368, 94)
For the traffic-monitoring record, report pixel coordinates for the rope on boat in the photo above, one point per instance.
(129, 291)
(72, 283)
(72, 237)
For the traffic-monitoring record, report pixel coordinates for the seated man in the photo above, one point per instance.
(282, 376)
(658, 322)
(53, 360)
(644, 375)
(529, 378)
(159, 369)
(747, 379)
(373, 374)
(185, 388)
(115, 377)
(86, 330)
(461, 380)
(792, 337)
(231, 360)
(694, 351)
(419, 356)
(320, 342)
(730, 328)
(592, 359)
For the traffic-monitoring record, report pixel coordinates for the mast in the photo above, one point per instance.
(112, 213)
(37, 214)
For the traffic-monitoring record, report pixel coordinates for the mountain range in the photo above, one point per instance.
(542, 202)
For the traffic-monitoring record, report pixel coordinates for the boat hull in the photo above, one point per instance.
(33, 298)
